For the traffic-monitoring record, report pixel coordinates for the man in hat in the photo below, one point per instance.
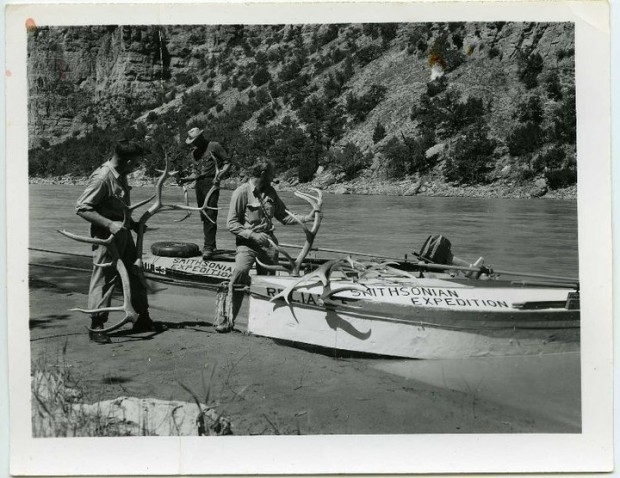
(209, 163)
(253, 207)
(103, 204)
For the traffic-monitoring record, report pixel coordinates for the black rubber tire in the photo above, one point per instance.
(175, 249)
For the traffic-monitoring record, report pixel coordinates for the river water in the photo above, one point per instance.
(511, 234)
(523, 235)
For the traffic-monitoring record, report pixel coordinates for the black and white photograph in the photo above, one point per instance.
(260, 227)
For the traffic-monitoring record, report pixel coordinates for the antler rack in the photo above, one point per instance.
(294, 265)
(131, 315)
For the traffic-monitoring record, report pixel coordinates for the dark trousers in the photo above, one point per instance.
(209, 228)
(104, 278)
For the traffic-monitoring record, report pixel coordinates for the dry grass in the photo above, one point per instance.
(61, 407)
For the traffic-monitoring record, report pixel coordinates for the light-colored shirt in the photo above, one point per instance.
(252, 211)
(107, 193)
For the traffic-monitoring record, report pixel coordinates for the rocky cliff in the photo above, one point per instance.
(370, 85)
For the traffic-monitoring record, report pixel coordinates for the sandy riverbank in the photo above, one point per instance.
(264, 387)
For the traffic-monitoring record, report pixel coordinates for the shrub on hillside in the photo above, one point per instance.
(349, 160)
(388, 32)
(360, 106)
(494, 52)
(367, 54)
(553, 86)
(446, 114)
(198, 102)
(564, 120)
(379, 133)
(261, 77)
(445, 54)
(472, 157)
(530, 110)
(530, 66)
(265, 116)
(405, 156)
(371, 30)
(262, 97)
(525, 138)
(554, 158)
(436, 86)
(185, 79)
(565, 53)
(332, 87)
(561, 178)
(330, 34)
(396, 156)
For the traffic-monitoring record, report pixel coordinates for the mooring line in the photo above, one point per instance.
(65, 268)
(59, 252)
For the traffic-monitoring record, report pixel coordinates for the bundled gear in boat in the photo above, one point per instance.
(224, 315)
(437, 249)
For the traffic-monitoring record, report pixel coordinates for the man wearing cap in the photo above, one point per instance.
(253, 207)
(103, 204)
(209, 163)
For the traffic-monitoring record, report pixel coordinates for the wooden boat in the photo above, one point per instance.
(427, 318)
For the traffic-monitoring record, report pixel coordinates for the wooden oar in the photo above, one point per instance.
(339, 251)
(439, 267)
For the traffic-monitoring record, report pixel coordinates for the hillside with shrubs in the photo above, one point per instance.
(459, 104)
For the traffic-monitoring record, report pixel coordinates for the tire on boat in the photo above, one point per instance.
(175, 249)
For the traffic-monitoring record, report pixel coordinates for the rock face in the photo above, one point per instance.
(83, 77)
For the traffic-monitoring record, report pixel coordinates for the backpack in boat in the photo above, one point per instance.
(437, 249)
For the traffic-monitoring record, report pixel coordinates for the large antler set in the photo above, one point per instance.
(130, 313)
(158, 206)
(294, 265)
(350, 268)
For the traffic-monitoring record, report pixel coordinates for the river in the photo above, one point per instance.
(523, 235)
(511, 234)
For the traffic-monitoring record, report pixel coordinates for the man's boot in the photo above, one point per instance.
(96, 336)
(146, 324)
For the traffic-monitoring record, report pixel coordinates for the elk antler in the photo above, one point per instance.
(159, 206)
(294, 265)
(130, 314)
(322, 274)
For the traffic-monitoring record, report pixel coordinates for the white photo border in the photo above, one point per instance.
(589, 451)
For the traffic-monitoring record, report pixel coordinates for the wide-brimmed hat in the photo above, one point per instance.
(192, 134)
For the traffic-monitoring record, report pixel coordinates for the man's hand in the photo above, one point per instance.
(261, 238)
(310, 217)
(115, 227)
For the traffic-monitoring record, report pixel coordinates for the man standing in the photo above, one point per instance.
(253, 206)
(103, 203)
(209, 164)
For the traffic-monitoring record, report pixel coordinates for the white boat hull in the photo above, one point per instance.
(440, 319)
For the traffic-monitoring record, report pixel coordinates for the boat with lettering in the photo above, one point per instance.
(435, 307)
(417, 317)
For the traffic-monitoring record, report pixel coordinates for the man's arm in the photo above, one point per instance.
(98, 220)
(221, 157)
(281, 215)
(236, 215)
(93, 195)
(236, 220)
